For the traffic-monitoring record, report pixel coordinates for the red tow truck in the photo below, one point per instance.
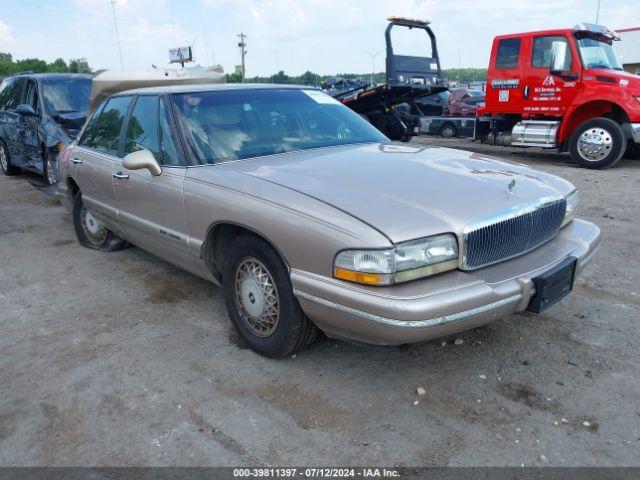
(562, 89)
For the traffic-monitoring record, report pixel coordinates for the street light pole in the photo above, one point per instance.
(115, 25)
(373, 62)
(598, 12)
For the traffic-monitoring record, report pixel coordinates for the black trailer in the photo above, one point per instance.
(390, 106)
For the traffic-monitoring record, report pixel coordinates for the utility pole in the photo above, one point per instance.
(243, 51)
(598, 12)
(373, 63)
(115, 25)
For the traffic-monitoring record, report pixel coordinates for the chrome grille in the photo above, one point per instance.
(512, 235)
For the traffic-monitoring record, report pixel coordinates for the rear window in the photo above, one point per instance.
(103, 131)
(508, 53)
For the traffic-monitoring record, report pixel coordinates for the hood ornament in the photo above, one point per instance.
(511, 186)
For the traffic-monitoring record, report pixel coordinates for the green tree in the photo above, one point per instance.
(6, 57)
(233, 78)
(280, 77)
(59, 65)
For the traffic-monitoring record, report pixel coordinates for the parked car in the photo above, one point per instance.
(464, 102)
(39, 115)
(434, 104)
(310, 219)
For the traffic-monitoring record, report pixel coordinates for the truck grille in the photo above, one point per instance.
(512, 235)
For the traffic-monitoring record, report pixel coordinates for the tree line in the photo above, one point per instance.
(9, 66)
(463, 75)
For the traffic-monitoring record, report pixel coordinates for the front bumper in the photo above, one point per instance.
(441, 305)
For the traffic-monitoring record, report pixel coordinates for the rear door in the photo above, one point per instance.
(549, 94)
(97, 156)
(151, 207)
(504, 90)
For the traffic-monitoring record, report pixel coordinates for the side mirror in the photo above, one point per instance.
(558, 57)
(26, 110)
(142, 159)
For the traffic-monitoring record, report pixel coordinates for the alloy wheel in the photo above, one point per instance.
(256, 297)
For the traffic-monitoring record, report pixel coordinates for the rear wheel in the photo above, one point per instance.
(448, 130)
(260, 300)
(598, 143)
(5, 161)
(90, 230)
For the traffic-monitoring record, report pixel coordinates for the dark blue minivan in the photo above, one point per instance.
(39, 115)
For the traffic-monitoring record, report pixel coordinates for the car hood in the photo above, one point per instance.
(407, 191)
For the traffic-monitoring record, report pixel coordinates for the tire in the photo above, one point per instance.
(89, 231)
(5, 161)
(597, 143)
(49, 171)
(254, 279)
(448, 130)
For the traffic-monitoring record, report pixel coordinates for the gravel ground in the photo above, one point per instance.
(121, 359)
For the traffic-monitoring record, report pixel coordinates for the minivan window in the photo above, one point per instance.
(543, 50)
(142, 132)
(231, 125)
(508, 53)
(14, 93)
(31, 97)
(103, 134)
(4, 89)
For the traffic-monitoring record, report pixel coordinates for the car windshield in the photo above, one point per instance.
(598, 54)
(66, 95)
(231, 125)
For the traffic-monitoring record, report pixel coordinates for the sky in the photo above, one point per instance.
(324, 36)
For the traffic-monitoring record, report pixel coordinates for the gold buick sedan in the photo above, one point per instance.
(311, 220)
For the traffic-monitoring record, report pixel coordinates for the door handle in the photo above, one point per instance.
(76, 160)
(120, 175)
(526, 92)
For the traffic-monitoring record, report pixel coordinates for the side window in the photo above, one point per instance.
(508, 53)
(142, 132)
(168, 150)
(103, 134)
(13, 93)
(543, 48)
(5, 86)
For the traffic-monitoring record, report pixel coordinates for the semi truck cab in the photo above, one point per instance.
(562, 89)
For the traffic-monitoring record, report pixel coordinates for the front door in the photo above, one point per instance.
(151, 208)
(547, 94)
(32, 154)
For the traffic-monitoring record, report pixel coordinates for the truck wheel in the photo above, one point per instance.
(448, 130)
(598, 143)
(260, 300)
(5, 161)
(90, 231)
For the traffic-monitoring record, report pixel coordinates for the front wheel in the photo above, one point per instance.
(597, 143)
(49, 172)
(90, 230)
(260, 300)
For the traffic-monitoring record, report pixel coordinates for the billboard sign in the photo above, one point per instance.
(180, 55)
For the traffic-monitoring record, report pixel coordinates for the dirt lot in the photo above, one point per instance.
(121, 359)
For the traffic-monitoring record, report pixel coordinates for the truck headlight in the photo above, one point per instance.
(572, 204)
(401, 263)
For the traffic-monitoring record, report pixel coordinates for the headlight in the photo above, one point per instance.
(572, 204)
(404, 262)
